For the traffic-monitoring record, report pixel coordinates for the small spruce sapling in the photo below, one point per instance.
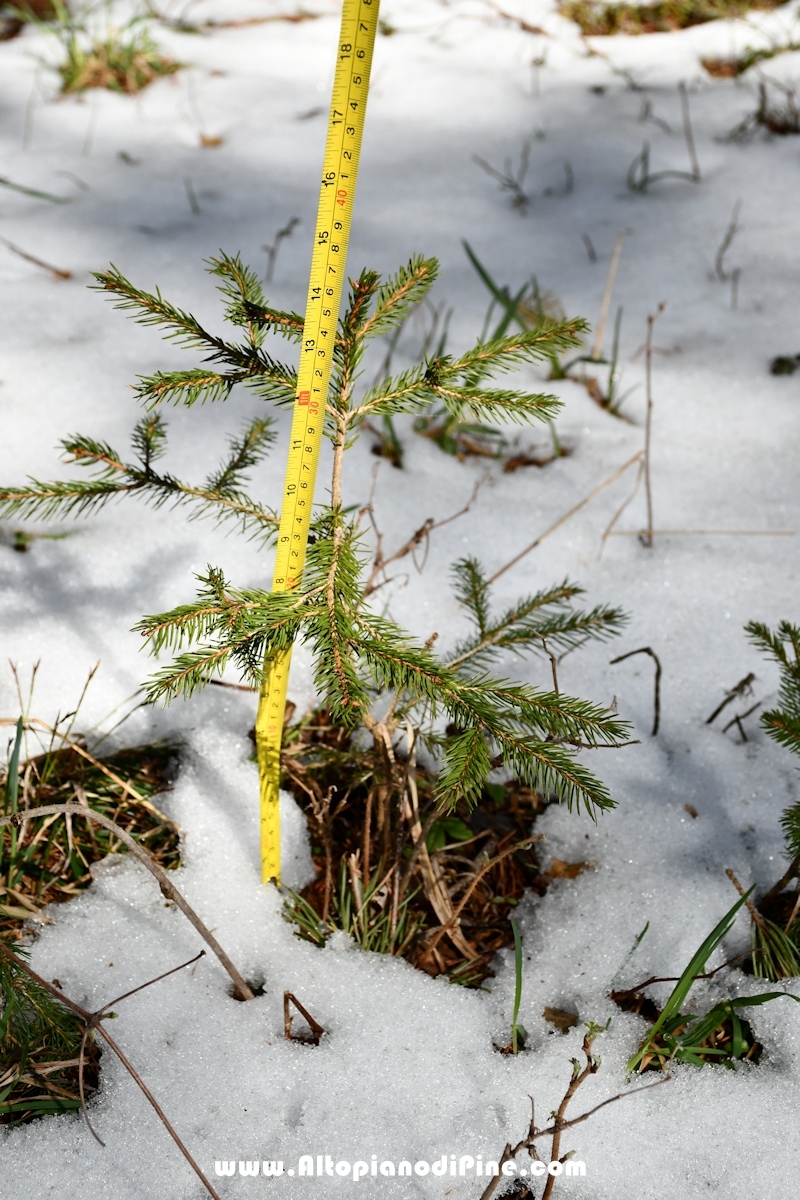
(360, 656)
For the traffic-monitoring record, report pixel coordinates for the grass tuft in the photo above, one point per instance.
(114, 64)
(40, 1048)
(48, 860)
(605, 20)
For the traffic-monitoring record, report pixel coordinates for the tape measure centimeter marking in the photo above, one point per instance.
(337, 189)
(326, 282)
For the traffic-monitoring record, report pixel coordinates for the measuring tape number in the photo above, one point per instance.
(326, 282)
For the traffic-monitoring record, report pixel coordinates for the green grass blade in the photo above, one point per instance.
(12, 779)
(690, 973)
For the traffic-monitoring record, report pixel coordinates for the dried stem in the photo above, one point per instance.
(612, 274)
(739, 689)
(657, 698)
(109, 774)
(751, 908)
(737, 720)
(56, 272)
(168, 889)
(315, 1027)
(560, 1125)
(420, 535)
(687, 131)
(92, 1021)
(610, 527)
(784, 881)
(487, 866)
(725, 244)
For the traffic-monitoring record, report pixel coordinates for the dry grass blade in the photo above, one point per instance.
(80, 750)
(563, 520)
(49, 860)
(493, 862)
(432, 871)
(56, 272)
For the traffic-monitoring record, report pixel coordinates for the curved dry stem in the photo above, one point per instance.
(168, 889)
(92, 1021)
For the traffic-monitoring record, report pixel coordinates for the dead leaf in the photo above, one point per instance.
(561, 1019)
(566, 870)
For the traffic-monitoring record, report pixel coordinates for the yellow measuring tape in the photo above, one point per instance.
(345, 127)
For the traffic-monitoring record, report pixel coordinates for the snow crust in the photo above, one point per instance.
(407, 1068)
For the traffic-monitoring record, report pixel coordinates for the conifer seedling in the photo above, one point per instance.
(368, 671)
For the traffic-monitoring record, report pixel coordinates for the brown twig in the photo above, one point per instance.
(237, 687)
(657, 698)
(560, 1125)
(739, 689)
(751, 908)
(553, 665)
(420, 535)
(316, 1029)
(168, 889)
(525, 26)
(737, 720)
(675, 978)
(92, 1021)
(784, 881)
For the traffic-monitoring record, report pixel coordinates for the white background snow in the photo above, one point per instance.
(407, 1069)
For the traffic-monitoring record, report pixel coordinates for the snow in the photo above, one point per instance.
(407, 1069)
